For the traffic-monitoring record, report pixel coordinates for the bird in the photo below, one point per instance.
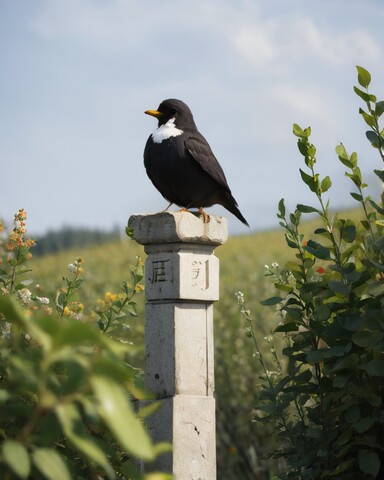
(181, 165)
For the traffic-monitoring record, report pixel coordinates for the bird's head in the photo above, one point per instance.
(173, 108)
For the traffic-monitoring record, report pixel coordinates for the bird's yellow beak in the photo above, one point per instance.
(154, 113)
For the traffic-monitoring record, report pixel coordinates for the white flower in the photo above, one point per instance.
(43, 300)
(72, 268)
(24, 295)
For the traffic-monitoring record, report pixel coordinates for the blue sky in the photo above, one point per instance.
(77, 76)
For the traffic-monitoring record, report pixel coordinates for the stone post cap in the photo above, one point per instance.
(176, 227)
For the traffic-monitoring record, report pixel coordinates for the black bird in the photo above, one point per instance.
(181, 164)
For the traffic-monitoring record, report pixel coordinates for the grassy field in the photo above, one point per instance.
(241, 442)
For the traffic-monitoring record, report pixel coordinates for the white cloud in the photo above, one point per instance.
(284, 40)
(103, 25)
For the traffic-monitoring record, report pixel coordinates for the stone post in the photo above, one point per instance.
(182, 282)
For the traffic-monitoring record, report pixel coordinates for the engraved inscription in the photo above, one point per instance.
(160, 271)
(200, 274)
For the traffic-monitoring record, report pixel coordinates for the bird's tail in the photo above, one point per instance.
(231, 205)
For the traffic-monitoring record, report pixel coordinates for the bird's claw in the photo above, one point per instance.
(206, 217)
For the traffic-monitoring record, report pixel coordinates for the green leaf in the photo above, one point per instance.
(365, 96)
(357, 197)
(375, 367)
(50, 464)
(317, 250)
(353, 159)
(367, 339)
(298, 131)
(281, 208)
(16, 457)
(73, 428)
(348, 231)
(271, 301)
(363, 424)
(287, 327)
(376, 207)
(303, 147)
(369, 462)
(369, 119)
(380, 174)
(373, 138)
(115, 406)
(379, 109)
(312, 182)
(363, 76)
(326, 184)
(343, 156)
(307, 209)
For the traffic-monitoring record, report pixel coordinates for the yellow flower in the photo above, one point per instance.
(110, 297)
(139, 287)
(66, 311)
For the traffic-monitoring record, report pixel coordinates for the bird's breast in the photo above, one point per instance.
(166, 131)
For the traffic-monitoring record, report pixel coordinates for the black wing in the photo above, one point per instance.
(198, 148)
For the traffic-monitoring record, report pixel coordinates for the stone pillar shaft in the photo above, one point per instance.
(182, 282)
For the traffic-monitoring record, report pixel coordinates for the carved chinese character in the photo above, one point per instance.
(159, 271)
(200, 274)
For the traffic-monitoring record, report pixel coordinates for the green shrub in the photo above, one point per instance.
(66, 383)
(325, 397)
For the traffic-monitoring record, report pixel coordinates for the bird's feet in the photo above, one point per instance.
(165, 209)
(206, 217)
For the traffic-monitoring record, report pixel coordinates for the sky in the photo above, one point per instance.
(77, 76)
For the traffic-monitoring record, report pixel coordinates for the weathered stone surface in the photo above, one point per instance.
(179, 356)
(189, 423)
(182, 282)
(172, 227)
(181, 275)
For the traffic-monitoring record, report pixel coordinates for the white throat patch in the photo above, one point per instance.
(166, 131)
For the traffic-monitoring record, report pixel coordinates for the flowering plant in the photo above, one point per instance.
(326, 398)
(66, 385)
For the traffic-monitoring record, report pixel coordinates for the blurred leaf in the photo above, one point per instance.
(73, 428)
(380, 174)
(367, 338)
(158, 476)
(16, 457)
(375, 367)
(357, 196)
(363, 76)
(377, 207)
(271, 301)
(50, 464)
(11, 309)
(287, 327)
(369, 462)
(115, 406)
(364, 424)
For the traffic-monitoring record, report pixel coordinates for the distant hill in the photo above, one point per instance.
(71, 237)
